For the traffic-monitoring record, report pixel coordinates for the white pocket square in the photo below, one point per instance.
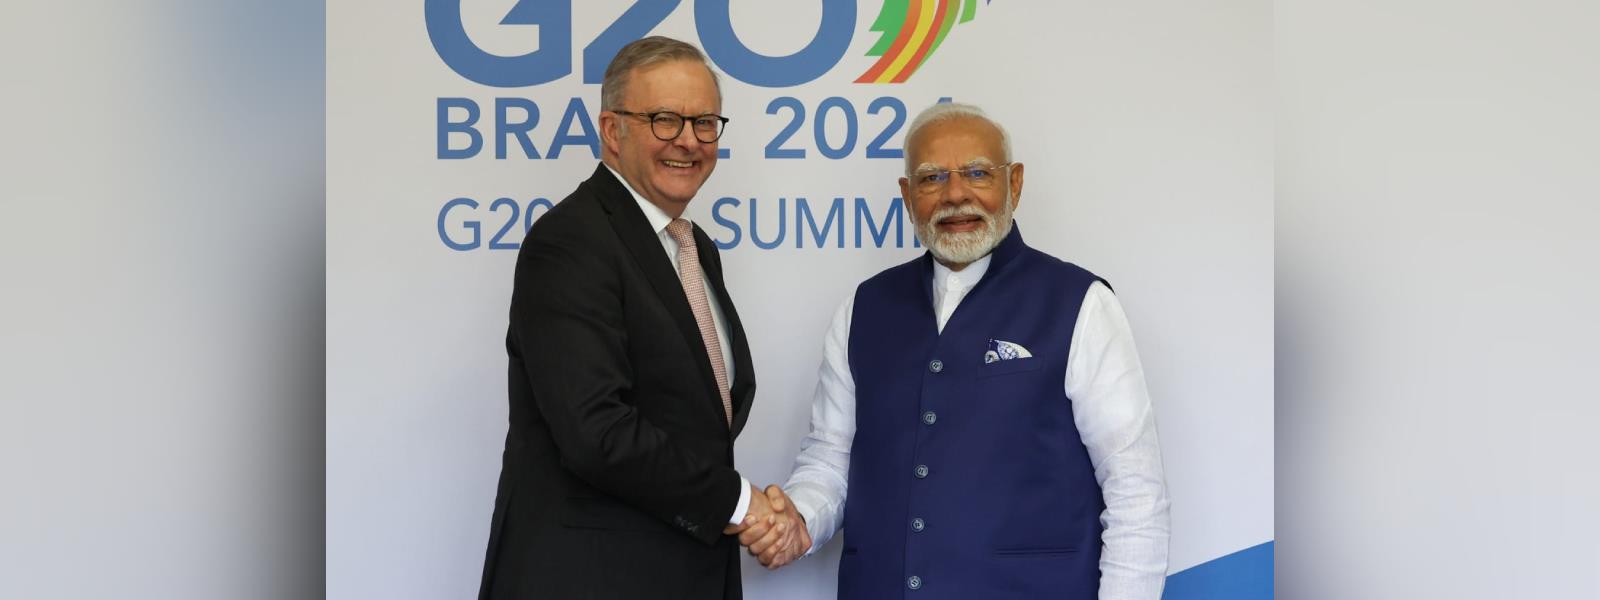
(1003, 350)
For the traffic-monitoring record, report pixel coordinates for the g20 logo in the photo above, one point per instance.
(910, 31)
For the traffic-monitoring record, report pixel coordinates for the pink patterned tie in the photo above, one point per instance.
(694, 288)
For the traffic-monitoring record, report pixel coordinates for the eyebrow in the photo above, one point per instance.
(659, 108)
(981, 161)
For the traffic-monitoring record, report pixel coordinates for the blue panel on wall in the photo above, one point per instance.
(1243, 575)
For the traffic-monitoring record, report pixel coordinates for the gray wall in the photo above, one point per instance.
(161, 300)
(1438, 199)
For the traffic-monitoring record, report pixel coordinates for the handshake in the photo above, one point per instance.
(773, 530)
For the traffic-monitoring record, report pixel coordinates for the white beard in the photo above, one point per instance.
(965, 247)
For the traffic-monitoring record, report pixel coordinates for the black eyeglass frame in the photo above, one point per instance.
(683, 120)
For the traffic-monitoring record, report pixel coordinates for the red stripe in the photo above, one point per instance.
(927, 44)
(894, 49)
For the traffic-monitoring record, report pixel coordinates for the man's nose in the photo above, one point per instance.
(956, 190)
(686, 139)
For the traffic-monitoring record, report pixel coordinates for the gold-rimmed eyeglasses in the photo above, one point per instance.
(928, 181)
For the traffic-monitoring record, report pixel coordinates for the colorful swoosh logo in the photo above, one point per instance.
(911, 31)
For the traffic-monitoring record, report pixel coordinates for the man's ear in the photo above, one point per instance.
(1016, 185)
(610, 133)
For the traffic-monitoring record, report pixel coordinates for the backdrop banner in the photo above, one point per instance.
(454, 124)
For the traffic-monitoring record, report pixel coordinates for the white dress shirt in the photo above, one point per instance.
(659, 219)
(1110, 406)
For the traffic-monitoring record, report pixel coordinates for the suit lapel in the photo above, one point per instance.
(744, 374)
(634, 230)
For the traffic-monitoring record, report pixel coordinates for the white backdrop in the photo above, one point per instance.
(1148, 133)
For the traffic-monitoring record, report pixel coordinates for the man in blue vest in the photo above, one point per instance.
(984, 407)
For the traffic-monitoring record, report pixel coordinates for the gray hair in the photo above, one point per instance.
(645, 52)
(946, 111)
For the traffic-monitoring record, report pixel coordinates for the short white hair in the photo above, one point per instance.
(946, 111)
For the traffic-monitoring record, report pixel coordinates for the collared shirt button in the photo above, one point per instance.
(918, 524)
(921, 471)
(936, 365)
(929, 417)
(914, 582)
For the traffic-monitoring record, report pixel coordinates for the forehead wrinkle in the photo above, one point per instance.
(692, 113)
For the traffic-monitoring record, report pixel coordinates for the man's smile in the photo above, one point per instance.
(961, 223)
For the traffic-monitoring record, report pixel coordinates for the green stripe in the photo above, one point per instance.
(969, 10)
(945, 29)
(890, 20)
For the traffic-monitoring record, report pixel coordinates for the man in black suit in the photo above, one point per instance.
(630, 374)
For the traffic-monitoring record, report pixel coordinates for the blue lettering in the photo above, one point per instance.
(775, 147)
(637, 22)
(472, 226)
(895, 217)
(875, 147)
(447, 127)
(503, 127)
(716, 215)
(819, 127)
(527, 216)
(826, 48)
(755, 229)
(494, 242)
(802, 213)
(576, 111)
(552, 61)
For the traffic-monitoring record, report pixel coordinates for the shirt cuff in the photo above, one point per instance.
(743, 505)
(809, 503)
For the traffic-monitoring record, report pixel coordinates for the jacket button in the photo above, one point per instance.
(918, 524)
(928, 417)
(921, 471)
(914, 582)
(936, 365)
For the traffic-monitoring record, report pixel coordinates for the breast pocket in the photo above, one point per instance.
(1009, 367)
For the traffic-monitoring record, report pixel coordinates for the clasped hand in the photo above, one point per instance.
(773, 531)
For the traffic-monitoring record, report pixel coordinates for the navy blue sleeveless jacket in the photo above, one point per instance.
(967, 476)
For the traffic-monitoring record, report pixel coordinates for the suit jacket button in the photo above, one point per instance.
(914, 582)
(921, 471)
(936, 365)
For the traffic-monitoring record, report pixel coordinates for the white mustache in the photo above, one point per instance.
(965, 210)
(965, 247)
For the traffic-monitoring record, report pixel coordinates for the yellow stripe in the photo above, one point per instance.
(924, 28)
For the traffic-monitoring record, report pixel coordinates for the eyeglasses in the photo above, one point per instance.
(928, 181)
(667, 125)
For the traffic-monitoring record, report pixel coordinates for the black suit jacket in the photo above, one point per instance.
(617, 476)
